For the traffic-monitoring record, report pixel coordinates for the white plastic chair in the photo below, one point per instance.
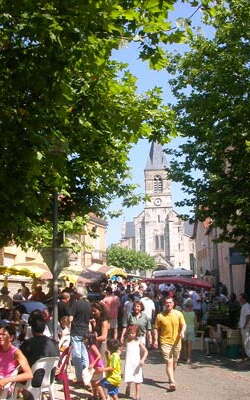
(43, 380)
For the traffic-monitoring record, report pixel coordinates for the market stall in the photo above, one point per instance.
(89, 277)
(30, 270)
(33, 269)
(115, 271)
(100, 272)
(94, 273)
(190, 282)
(81, 277)
(166, 273)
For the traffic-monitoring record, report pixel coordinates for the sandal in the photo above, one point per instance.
(172, 387)
(127, 391)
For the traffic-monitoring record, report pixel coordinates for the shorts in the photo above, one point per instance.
(113, 323)
(170, 351)
(189, 335)
(112, 390)
(210, 340)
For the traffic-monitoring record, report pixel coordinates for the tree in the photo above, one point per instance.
(130, 260)
(69, 115)
(212, 89)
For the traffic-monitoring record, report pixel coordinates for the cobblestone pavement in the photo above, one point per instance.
(207, 378)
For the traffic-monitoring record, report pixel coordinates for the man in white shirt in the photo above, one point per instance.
(128, 305)
(196, 299)
(165, 287)
(244, 323)
(149, 306)
(162, 287)
(171, 287)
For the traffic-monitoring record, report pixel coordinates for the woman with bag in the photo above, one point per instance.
(100, 326)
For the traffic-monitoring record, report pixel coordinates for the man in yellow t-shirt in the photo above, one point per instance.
(169, 330)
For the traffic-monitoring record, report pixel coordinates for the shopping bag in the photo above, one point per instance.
(247, 342)
(87, 374)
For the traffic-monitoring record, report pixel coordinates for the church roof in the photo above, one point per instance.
(157, 158)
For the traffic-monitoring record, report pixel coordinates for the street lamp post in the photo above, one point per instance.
(53, 255)
(55, 265)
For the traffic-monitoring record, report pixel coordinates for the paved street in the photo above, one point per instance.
(208, 378)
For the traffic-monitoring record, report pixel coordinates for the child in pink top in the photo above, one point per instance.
(96, 362)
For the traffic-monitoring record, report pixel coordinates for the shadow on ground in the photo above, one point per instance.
(155, 383)
(201, 360)
(154, 357)
(221, 361)
(160, 382)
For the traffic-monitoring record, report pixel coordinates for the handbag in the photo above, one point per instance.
(87, 375)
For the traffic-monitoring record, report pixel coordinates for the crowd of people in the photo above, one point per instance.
(121, 317)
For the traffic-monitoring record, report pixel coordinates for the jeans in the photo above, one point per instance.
(80, 358)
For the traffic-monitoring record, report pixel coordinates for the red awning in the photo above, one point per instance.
(192, 282)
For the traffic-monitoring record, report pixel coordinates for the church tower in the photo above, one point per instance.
(158, 230)
(157, 185)
(151, 226)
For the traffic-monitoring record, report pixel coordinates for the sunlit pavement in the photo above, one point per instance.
(207, 378)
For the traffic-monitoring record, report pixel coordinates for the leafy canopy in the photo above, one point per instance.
(130, 260)
(212, 89)
(69, 115)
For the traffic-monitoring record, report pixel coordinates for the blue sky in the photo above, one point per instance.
(147, 79)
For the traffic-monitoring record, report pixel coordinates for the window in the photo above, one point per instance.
(140, 234)
(159, 218)
(162, 242)
(158, 184)
(159, 242)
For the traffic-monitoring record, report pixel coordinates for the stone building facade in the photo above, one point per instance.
(158, 230)
(215, 261)
(92, 243)
(92, 249)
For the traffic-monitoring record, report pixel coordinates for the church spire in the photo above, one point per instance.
(157, 158)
